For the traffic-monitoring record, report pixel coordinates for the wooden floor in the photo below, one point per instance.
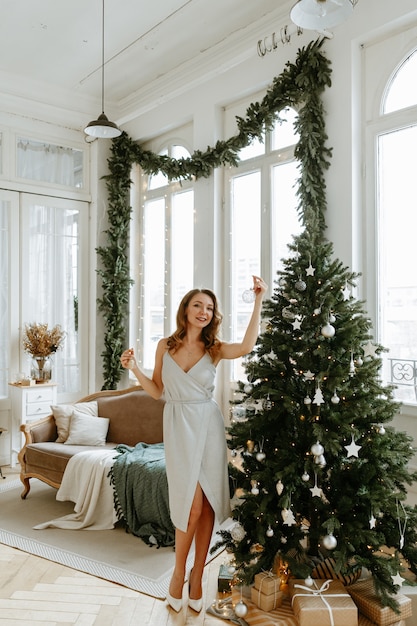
(37, 592)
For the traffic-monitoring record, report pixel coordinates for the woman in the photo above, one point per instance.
(194, 439)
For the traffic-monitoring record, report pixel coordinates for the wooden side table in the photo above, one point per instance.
(29, 402)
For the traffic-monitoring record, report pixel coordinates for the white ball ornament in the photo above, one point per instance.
(335, 398)
(332, 318)
(328, 331)
(255, 490)
(241, 609)
(317, 449)
(269, 532)
(329, 542)
(300, 285)
(381, 430)
(307, 400)
(309, 581)
(260, 456)
(305, 477)
(248, 388)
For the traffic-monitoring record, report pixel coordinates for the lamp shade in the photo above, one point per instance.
(102, 128)
(320, 14)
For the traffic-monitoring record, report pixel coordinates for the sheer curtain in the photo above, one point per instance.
(49, 163)
(51, 277)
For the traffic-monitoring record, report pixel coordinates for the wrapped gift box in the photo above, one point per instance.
(224, 581)
(266, 602)
(364, 595)
(267, 583)
(325, 603)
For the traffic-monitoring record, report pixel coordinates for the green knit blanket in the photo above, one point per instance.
(141, 492)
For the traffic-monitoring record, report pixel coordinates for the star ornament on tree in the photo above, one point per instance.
(352, 449)
(369, 349)
(372, 522)
(397, 579)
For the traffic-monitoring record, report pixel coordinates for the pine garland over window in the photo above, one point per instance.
(299, 86)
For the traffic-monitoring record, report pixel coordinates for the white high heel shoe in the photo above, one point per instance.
(195, 605)
(174, 603)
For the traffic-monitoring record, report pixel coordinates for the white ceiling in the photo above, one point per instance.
(50, 50)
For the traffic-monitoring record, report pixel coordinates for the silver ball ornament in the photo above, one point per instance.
(300, 285)
(238, 532)
(260, 456)
(329, 542)
(241, 609)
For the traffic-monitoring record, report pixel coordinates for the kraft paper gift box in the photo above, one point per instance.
(325, 603)
(266, 602)
(267, 582)
(364, 595)
(265, 592)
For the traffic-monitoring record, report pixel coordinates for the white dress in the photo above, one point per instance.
(194, 440)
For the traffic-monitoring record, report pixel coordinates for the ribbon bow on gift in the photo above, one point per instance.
(318, 592)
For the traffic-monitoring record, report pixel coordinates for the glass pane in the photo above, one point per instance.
(402, 91)
(397, 187)
(246, 251)
(4, 295)
(179, 152)
(1, 153)
(153, 279)
(284, 134)
(284, 210)
(254, 149)
(52, 282)
(49, 163)
(182, 251)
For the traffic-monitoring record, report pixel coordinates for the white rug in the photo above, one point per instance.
(110, 554)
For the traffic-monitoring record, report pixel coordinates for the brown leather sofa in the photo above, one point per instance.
(133, 417)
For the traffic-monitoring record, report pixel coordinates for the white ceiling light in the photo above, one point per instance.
(321, 14)
(102, 128)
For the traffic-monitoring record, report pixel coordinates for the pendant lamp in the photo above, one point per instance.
(102, 128)
(321, 14)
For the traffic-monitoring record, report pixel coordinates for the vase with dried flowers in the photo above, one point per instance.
(40, 342)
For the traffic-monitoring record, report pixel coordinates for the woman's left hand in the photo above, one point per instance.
(259, 285)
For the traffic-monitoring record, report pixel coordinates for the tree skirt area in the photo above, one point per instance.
(114, 555)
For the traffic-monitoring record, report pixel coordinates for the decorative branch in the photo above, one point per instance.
(299, 86)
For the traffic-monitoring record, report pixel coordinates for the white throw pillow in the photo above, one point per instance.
(85, 430)
(62, 414)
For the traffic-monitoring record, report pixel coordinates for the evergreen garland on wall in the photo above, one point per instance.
(299, 86)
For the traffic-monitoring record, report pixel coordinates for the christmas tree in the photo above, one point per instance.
(319, 473)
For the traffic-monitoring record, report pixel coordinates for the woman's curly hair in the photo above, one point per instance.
(209, 334)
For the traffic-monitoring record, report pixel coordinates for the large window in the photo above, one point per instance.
(162, 257)
(263, 217)
(392, 140)
(52, 261)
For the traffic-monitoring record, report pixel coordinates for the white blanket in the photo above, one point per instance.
(87, 484)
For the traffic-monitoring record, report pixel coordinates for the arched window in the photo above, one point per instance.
(162, 254)
(401, 90)
(262, 216)
(392, 138)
